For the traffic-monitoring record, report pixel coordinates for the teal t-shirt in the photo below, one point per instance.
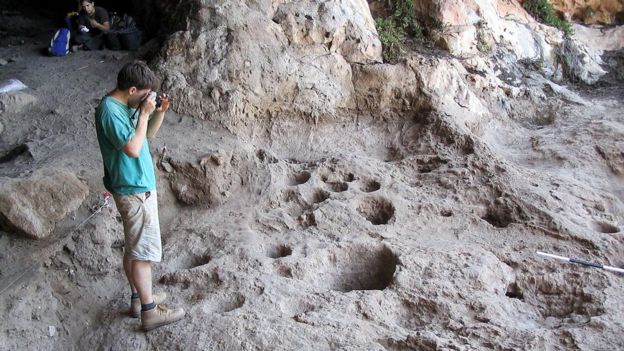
(123, 175)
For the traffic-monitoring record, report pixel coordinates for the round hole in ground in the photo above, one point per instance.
(338, 187)
(320, 195)
(279, 251)
(514, 291)
(446, 213)
(604, 227)
(500, 217)
(300, 178)
(370, 186)
(357, 267)
(200, 260)
(284, 271)
(224, 303)
(307, 219)
(349, 177)
(376, 210)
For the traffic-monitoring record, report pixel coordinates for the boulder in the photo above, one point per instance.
(15, 102)
(580, 62)
(32, 206)
(210, 181)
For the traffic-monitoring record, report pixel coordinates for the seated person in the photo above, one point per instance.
(71, 20)
(92, 23)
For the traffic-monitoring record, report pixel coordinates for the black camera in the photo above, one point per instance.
(158, 97)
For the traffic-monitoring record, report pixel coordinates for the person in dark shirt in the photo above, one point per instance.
(93, 22)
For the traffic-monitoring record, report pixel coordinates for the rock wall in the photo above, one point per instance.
(592, 11)
(461, 24)
(253, 60)
(238, 62)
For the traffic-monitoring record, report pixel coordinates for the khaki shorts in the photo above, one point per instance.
(139, 213)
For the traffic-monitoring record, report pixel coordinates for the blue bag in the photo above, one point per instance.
(59, 45)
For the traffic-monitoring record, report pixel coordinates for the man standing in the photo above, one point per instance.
(123, 121)
(93, 21)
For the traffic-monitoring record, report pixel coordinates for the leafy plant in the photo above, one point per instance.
(545, 13)
(392, 38)
(482, 44)
(403, 16)
(395, 29)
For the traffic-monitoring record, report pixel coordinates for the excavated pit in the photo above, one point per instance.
(371, 186)
(279, 251)
(377, 210)
(300, 178)
(355, 268)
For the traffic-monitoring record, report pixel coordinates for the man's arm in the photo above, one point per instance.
(133, 147)
(156, 121)
(154, 124)
(101, 26)
(101, 20)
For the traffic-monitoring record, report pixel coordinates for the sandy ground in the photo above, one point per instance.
(363, 235)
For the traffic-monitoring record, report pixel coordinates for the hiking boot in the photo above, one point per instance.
(159, 316)
(135, 304)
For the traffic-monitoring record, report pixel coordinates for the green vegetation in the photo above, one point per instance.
(482, 44)
(397, 28)
(403, 15)
(391, 37)
(545, 13)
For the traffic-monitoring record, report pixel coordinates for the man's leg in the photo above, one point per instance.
(152, 315)
(127, 265)
(142, 237)
(135, 300)
(142, 278)
(78, 39)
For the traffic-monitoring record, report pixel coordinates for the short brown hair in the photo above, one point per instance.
(136, 74)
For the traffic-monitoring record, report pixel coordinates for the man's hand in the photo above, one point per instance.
(148, 106)
(164, 103)
(93, 23)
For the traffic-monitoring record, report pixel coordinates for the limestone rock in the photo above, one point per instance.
(32, 206)
(581, 62)
(346, 27)
(209, 181)
(600, 38)
(386, 87)
(466, 23)
(243, 63)
(15, 102)
(591, 11)
(471, 28)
